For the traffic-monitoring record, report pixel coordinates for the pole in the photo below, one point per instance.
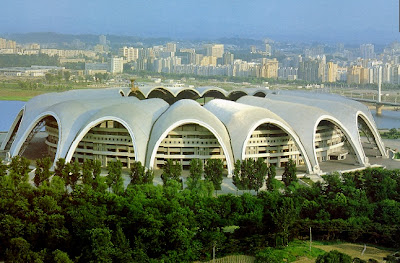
(310, 239)
(214, 253)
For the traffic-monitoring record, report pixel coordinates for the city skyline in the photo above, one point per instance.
(340, 21)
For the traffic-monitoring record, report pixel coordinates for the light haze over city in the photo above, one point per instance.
(354, 21)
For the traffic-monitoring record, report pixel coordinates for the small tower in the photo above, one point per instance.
(134, 88)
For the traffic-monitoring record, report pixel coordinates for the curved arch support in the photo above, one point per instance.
(15, 150)
(285, 129)
(374, 132)
(236, 94)
(229, 160)
(94, 123)
(13, 130)
(347, 134)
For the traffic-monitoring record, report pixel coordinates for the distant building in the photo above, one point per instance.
(171, 47)
(208, 60)
(367, 51)
(117, 65)
(129, 53)
(269, 68)
(358, 75)
(332, 72)
(93, 68)
(103, 40)
(215, 50)
(227, 58)
(268, 49)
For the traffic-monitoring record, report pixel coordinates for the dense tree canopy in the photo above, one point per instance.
(72, 219)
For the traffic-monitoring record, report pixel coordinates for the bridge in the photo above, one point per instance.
(379, 103)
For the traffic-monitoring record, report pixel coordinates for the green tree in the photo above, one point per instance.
(195, 173)
(42, 172)
(74, 174)
(137, 173)
(284, 216)
(97, 179)
(59, 169)
(257, 178)
(87, 172)
(271, 181)
(67, 75)
(102, 249)
(3, 169)
(334, 256)
(289, 174)
(19, 169)
(240, 175)
(172, 170)
(148, 176)
(19, 252)
(114, 178)
(122, 250)
(213, 170)
(61, 257)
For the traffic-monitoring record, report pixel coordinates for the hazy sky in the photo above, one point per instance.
(374, 21)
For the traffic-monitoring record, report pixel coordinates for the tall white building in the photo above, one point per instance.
(129, 53)
(117, 65)
(268, 49)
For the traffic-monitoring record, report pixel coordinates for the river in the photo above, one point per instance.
(10, 109)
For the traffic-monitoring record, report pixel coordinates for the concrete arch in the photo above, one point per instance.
(214, 93)
(374, 132)
(94, 123)
(260, 94)
(236, 94)
(136, 93)
(229, 159)
(188, 94)
(286, 129)
(347, 134)
(13, 130)
(161, 93)
(32, 125)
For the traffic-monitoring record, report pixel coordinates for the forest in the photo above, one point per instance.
(75, 214)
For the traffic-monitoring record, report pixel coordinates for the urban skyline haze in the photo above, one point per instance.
(285, 20)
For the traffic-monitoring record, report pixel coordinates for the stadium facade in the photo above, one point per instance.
(154, 123)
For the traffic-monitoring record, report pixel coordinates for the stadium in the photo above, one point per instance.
(151, 124)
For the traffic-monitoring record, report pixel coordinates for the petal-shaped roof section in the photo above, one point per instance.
(185, 112)
(304, 119)
(343, 109)
(241, 120)
(137, 116)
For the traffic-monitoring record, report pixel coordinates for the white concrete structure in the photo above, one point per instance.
(128, 125)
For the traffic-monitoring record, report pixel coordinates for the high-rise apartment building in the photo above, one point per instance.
(208, 60)
(117, 65)
(129, 53)
(215, 50)
(358, 75)
(227, 58)
(312, 70)
(170, 47)
(269, 68)
(268, 49)
(332, 72)
(367, 51)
